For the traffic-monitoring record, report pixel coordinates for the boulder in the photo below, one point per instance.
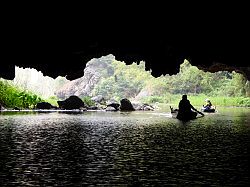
(144, 106)
(114, 105)
(73, 102)
(126, 105)
(44, 105)
(110, 108)
(92, 108)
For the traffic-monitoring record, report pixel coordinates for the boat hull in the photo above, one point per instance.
(208, 110)
(174, 114)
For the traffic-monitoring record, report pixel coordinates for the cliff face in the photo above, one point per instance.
(95, 70)
(98, 79)
(32, 80)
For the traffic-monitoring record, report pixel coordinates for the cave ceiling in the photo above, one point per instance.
(57, 44)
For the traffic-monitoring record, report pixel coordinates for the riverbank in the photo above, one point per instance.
(199, 100)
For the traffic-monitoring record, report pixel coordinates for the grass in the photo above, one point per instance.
(199, 100)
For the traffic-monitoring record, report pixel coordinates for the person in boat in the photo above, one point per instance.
(208, 104)
(186, 110)
(208, 107)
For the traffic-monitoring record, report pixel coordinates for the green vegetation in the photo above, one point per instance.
(11, 96)
(198, 100)
(52, 100)
(87, 101)
(119, 81)
(126, 82)
(133, 82)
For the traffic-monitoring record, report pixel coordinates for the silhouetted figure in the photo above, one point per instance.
(185, 110)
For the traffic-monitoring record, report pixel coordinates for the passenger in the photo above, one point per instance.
(208, 104)
(186, 110)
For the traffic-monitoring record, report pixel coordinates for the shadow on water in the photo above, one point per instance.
(119, 149)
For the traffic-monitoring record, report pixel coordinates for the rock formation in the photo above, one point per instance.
(95, 69)
(126, 105)
(73, 102)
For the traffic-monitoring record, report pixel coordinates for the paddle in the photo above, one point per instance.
(200, 113)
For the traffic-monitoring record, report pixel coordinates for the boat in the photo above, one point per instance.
(174, 113)
(209, 110)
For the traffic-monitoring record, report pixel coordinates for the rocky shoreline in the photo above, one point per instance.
(75, 104)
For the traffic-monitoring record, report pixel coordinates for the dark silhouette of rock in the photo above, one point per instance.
(114, 105)
(126, 105)
(110, 108)
(92, 108)
(144, 106)
(73, 102)
(44, 105)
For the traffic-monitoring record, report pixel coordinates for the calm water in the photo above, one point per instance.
(124, 149)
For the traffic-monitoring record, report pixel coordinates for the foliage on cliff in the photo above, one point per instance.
(115, 80)
(133, 82)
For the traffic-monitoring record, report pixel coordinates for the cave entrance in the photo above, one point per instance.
(111, 80)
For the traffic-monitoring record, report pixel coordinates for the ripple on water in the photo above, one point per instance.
(113, 149)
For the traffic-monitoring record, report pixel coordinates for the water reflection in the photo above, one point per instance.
(138, 148)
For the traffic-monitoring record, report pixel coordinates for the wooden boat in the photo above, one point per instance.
(209, 110)
(174, 113)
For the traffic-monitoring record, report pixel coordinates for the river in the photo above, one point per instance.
(124, 149)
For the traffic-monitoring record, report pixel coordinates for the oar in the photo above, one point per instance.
(200, 113)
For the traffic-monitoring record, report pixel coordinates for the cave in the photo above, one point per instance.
(212, 37)
(123, 148)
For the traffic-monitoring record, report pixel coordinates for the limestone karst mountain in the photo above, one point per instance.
(32, 80)
(95, 70)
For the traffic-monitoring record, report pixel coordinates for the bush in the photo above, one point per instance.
(87, 101)
(11, 96)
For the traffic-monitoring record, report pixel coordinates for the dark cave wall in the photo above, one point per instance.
(160, 57)
(162, 35)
